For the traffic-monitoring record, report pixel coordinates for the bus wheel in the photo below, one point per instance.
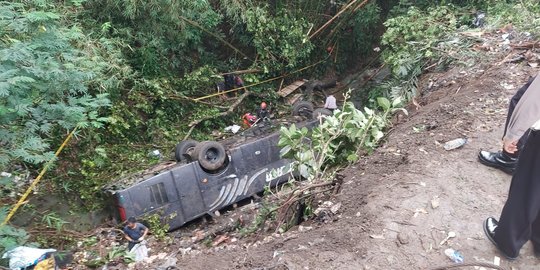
(321, 112)
(303, 108)
(184, 150)
(211, 155)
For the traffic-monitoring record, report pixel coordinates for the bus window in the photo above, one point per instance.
(158, 194)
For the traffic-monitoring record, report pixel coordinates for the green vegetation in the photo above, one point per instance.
(157, 226)
(318, 154)
(420, 37)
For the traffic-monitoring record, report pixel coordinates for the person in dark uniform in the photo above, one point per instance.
(520, 218)
(515, 136)
(263, 112)
(230, 82)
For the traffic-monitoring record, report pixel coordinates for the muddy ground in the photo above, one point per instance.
(399, 203)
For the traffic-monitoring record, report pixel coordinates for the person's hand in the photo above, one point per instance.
(510, 146)
(141, 238)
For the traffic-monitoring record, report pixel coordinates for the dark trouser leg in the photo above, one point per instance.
(535, 234)
(131, 245)
(522, 207)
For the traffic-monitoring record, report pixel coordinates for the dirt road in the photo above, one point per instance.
(400, 202)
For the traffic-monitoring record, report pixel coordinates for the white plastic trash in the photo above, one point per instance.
(22, 257)
(455, 144)
(140, 251)
(233, 128)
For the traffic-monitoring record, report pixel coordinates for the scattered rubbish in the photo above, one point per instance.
(403, 238)
(418, 211)
(323, 207)
(507, 86)
(185, 251)
(435, 202)
(234, 129)
(419, 128)
(497, 261)
(377, 236)
(220, 239)
(479, 19)
(168, 264)
(5, 174)
(304, 228)
(22, 257)
(450, 235)
(335, 208)
(140, 251)
(455, 144)
(277, 253)
(453, 255)
(198, 235)
(155, 154)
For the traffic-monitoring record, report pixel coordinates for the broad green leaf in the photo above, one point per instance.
(384, 103)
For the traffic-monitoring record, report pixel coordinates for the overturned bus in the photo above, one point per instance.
(209, 176)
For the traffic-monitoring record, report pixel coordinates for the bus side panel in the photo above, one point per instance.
(251, 163)
(218, 189)
(272, 175)
(156, 195)
(187, 184)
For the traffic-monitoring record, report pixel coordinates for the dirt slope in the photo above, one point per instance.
(387, 220)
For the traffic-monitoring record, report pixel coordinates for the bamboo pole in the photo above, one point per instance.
(38, 178)
(337, 15)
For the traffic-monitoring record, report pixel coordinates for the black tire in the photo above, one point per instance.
(184, 150)
(211, 155)
(303, 108)
(321, 112)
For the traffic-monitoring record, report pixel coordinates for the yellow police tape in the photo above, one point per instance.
(265, 81)
(38, 178)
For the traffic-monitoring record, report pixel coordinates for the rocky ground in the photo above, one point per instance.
(397, 205)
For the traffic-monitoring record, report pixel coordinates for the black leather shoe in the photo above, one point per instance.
(490, 225)
(499, 160)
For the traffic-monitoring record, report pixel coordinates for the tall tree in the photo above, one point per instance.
(44, 82)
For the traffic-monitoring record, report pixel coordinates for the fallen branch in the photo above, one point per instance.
(529, 45)
(71, 233)
(227, 112)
